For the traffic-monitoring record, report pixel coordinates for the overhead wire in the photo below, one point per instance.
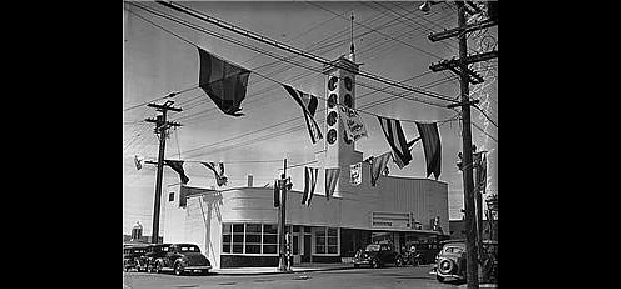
(246, 46)
(282, 46)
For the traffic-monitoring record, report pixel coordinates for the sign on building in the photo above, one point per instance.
(355, 174)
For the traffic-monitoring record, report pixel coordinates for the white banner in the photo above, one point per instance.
(352, 122)
(355, 174)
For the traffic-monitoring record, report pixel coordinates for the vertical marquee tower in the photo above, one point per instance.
(340, 90)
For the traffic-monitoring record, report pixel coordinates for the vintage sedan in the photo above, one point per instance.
(375, 256)
(132, 256)
(451, 261)
(183, 258)
(155, 253)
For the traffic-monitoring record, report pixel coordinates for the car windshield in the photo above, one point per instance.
(453, 249)
(189, 249)
(373, 247)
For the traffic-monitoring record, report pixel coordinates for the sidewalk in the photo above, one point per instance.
(274, 270)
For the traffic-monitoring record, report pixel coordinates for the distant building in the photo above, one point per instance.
(137, 238)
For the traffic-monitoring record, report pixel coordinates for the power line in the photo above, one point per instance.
(282, 46)
(161, 98)
(279, 82)
(255, 49)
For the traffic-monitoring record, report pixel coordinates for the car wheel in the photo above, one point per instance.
(158, 268)
(375, 264)
(440, 278)
(178, 269)
(356, 266)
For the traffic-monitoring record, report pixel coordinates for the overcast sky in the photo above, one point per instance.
(396, 47)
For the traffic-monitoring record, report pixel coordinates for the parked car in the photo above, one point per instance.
(183, 258)
(376, 256)
(132, 256)
(410, 256)
(155, 253)
(451, 261)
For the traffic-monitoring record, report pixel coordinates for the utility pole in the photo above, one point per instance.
(479, 191)
(283, 185)
(467, 76)
(161, 127)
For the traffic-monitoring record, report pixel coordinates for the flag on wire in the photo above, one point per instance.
(177, 166)
(276, 194)
(331, 177)
(138, 161)
(220, 177)
(225, 83)
(352, 121)
(431, 146)
(310, 179)
(377, 166)
(394, 134)
(308, 102)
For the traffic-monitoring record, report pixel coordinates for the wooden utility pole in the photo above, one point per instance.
(467, 76)
(162, 126)
(282, 188)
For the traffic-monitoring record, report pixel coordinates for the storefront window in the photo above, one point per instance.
(226, 238)
(333, 241)
(238, 238)
(270, 239)
(320, 242)
(326, 241)
(253, 239)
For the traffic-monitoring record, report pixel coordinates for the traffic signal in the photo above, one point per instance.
(460, 161)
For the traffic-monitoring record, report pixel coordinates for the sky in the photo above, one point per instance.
(390, 40)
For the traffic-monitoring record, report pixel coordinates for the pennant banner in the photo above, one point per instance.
(225, 83)
(395, 137)
(177, 166)
(138, 162)
(432, 147)
(309, 103)
(378, 165)
(352, 121)
(331, 177)
(310, 179)
(276, 194)
(355, 174)
(220, 177)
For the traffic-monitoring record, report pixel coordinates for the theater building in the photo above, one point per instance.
(237, 227)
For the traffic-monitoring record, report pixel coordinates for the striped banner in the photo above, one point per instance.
(394, 134)
(432, 147)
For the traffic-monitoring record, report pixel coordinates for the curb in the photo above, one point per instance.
(295, 271)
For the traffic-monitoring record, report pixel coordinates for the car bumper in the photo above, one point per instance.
(197, 268)
(362, 262)
(446, 276)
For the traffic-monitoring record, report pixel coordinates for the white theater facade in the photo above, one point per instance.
(237, 227)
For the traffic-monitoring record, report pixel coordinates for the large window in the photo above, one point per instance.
(270, 239)
(253, 239)
(242, 238)
(326, 241)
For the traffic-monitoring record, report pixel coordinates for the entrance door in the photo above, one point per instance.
(307, 249)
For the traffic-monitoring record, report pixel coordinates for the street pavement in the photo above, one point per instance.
(316, 277)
